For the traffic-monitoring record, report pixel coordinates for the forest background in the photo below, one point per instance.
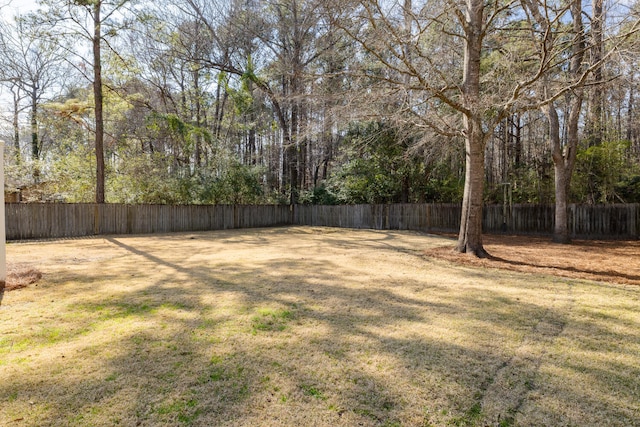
(314, 101)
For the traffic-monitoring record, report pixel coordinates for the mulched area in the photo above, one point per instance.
(601, 260)
(20, 276)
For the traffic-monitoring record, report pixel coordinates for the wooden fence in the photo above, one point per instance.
(424, 217)
(616, 221)
(37, 221)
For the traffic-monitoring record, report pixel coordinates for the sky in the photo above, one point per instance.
(8, 8)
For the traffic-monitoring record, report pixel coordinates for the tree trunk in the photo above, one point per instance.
(198, 124)
(293, 147)
(631, 112)
(561, 229)
(595, 121)
(97, 94)
(35, 146)
(470, 236)
(517, 156)
(564, 155)
(16, 126)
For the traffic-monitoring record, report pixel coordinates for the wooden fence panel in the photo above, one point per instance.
(40, 221)
(37, 221)
(585, 221)
(612, 221)
(519, 218)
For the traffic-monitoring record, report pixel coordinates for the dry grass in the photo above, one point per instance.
(308, 326)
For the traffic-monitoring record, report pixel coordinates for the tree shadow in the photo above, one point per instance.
(571, 269)
(349, 351)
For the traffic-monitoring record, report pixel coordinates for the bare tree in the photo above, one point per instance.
(565, 81)
(271, 44)
(476, 59)
(563, 150)
(31, 66)
(95, 21)
(595, 123)
(439, 59)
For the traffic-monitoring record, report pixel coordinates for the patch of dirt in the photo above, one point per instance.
(601, 260)
(20, 276)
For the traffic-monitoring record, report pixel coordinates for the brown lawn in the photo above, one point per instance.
(309, 326)
(613, 261)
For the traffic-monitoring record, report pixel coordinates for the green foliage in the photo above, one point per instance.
(376, 167)
(236, 184)
(73, 175)
(155, 179)
(146, 179)
(528, 185)
(443, 185)
(604, 173)
(318, 196)
(84, 2)
(172, 126)
(135, 175)
(629, 189)
(242, 97)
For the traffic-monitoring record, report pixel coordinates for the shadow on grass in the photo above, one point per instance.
(350, 351)
(601, 272)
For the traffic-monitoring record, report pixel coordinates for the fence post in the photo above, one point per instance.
(96, 219)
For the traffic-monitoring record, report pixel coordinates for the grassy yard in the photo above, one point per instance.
(308, 327)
